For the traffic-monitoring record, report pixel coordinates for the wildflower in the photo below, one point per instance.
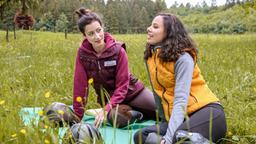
(70, 135)
(23, 131)
(47, 94)
(90, 81)
(60, 112)
(46, 141)
(2, 102)
(79, 99)
(13, 135)
(40, 113)
(229, 134)
(46, 126)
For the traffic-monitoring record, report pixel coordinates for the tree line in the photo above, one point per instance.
(128, 16)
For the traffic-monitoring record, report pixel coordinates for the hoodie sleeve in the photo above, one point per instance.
(183, 76)
(80, 88)
(122, 80)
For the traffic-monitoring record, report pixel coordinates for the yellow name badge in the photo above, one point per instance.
(110, 63)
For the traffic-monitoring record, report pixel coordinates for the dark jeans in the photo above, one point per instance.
(199, 122)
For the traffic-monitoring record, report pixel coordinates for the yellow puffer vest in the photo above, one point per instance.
(163, 82)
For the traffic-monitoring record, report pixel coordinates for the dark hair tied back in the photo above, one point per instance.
(86, 17)
(82, 11)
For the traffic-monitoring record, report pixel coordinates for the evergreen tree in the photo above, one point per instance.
(149, 5)
(188, 5)
(137, 19)
(205, 7)
(111, 17)
(213, 4)
(46, 22)
(160, 6)
(175, 5)
(145, 20)
(61, 23)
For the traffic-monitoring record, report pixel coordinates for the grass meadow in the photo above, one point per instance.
(37, 69)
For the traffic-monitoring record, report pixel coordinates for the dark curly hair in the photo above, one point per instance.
(176, 41)
(86, 17)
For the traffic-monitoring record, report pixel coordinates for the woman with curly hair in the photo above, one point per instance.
(187, 107)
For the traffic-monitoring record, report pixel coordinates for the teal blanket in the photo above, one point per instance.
(110, 135)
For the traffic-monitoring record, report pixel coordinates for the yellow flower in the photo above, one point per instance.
(47, 94)
(23, 131)
(90, 81)
(2, 102)
(60, 112)
(79, 99)
(46, 141)
(46, 126)
(13, 135)
(40, 113)
(229, 134)
(70, 135)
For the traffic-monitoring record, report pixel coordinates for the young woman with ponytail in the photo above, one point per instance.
(104, 60)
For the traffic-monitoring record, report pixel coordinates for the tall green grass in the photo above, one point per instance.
(37, 69)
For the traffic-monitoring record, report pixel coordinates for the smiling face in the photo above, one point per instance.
(95, 35)
(156, 31)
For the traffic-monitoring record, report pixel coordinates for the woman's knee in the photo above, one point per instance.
(123, 115)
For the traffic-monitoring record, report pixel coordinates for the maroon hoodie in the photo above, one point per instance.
(109, 72)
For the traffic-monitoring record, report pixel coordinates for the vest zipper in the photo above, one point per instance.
(164, 90)
(99, 65)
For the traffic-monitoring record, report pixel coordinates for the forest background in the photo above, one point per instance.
(132, 16)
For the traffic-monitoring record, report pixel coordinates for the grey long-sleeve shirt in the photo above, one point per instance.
(184, 67)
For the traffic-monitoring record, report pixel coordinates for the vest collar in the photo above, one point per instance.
(154, 48)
